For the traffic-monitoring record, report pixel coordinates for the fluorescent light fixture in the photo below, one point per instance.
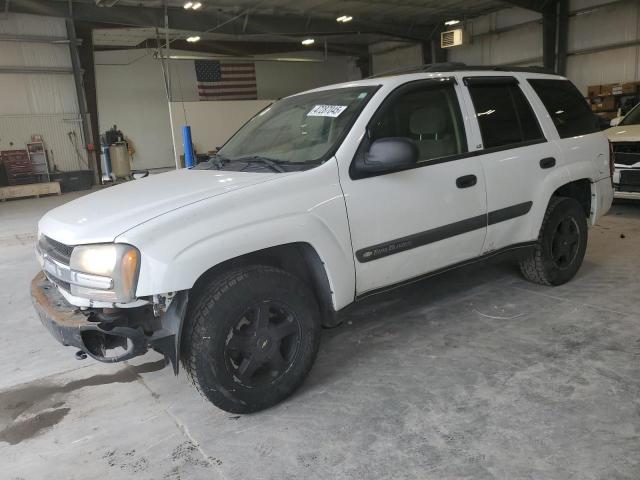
(344, 18)
(452, 22)
(188, 5)
(196, 5)
(308, 41)
(193, 39)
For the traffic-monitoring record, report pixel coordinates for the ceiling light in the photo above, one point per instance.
(452, 22)
(308, 41)
(196, 5)
(344, 18)
(193, 39)
(188, 5)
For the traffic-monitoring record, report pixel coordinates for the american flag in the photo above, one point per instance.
(226, 81)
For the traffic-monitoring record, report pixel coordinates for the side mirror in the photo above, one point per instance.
(615, 121)
(390, 154)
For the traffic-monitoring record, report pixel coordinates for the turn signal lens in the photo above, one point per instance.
(129, 270)
(612, 160)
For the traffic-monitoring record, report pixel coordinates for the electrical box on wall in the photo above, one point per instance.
(452, 38)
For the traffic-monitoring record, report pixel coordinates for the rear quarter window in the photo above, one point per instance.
(568, 109)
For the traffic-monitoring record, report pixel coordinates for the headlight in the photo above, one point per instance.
(111, 272)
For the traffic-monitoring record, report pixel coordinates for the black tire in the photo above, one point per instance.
(251, 338)
(562, 243)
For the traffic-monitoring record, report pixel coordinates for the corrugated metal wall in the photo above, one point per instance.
(36, 103)
(62, 134)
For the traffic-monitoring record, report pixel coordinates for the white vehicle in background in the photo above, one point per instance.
(624, 136)
(322, 199)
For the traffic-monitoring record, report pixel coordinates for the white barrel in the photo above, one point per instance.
(120, 164)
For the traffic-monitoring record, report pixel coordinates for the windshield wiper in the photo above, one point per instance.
(216, 161)
(219, 160)
(272, 164)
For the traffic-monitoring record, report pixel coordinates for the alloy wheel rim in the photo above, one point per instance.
(565, 242)
(262, 345)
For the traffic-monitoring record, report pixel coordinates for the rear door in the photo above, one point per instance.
(584, 146)
(515, 155)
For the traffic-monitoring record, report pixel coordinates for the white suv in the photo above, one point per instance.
(322, 199)
(625, 143)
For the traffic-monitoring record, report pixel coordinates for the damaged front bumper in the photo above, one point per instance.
(113, 336)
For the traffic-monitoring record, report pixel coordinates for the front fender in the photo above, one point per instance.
(179, 246)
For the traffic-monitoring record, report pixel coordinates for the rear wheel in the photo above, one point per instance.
(561, 246)
(251, 338)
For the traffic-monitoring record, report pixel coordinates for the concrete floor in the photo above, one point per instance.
(476, 374)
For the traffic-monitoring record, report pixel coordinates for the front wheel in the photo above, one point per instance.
(251, 338)
(561, 246)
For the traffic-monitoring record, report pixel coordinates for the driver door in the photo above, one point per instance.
(411, 222)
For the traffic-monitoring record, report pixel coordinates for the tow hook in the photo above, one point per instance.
(80, 355)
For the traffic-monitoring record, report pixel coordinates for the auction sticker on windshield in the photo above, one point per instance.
(326, 110)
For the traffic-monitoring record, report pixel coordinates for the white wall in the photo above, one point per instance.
(213, 123)
(514, 47)
(131, 95)
(389, 56)
(279, 79)
(44, 104)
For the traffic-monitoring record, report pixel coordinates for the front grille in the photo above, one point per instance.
(61, 283)
(626, 153)
(56, 250)
(630, 177)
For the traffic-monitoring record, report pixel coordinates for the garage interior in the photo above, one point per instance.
(473, 374)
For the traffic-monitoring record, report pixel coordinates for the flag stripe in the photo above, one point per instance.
(230, 97)
(225, 84)
(227, 87)
(226, 68)
(246, 94)
(238, 65)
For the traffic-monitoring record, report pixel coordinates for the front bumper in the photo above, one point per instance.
(127, 334)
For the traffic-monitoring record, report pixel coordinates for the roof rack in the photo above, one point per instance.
(455, 66)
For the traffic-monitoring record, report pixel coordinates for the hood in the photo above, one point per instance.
(624, 133)
(103, 215)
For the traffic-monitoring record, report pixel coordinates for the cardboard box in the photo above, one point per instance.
(603, 104)
(593, 91)
(629, 88)
(607, 89)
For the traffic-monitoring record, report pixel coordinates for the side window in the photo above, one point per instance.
(566, 106)
(504, 114)
(429, 115)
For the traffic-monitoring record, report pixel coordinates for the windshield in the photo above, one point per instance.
(632, 118)
(300, 129)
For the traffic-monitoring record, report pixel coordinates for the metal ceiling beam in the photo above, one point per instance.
(535, 5)
(239, 48)
(218, 21)
(43, 70)
(5, 37)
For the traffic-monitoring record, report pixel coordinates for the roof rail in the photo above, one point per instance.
(455, 66)
(427, 67)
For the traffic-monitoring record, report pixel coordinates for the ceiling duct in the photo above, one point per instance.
(452, 38)
(106, 3)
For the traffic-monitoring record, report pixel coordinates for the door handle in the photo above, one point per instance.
(466, 181)
(548, 162)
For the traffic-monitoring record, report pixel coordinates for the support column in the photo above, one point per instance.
(84, 32)
(82, 105)
(555, 33)
(549, 26)
(563, 36)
